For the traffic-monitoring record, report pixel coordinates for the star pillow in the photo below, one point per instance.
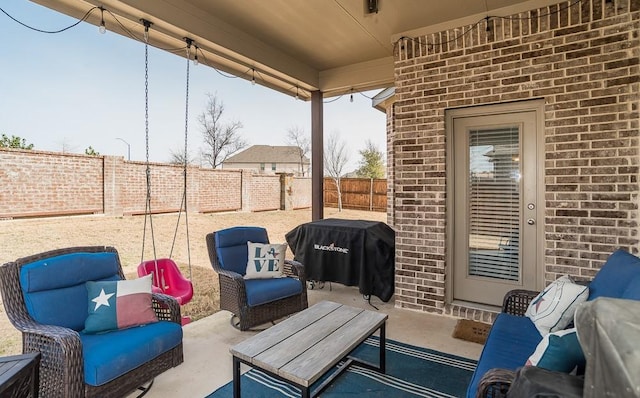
(265, 260)
(554, 307)
(119, 304)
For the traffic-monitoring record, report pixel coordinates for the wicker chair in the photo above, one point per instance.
(62, 364)
(233, 289)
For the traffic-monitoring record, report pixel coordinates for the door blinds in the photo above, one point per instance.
(494, 203)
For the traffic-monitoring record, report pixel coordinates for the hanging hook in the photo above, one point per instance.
(147, 25)
(189, 42)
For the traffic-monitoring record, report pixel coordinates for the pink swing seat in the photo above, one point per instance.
(168, 279)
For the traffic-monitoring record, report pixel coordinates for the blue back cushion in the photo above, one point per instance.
(632, 292)
(231, 246)
(615, 275)
(54, 288)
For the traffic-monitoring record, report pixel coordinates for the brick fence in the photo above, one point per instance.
(38, 183)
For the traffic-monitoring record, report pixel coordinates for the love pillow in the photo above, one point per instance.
(265, 260)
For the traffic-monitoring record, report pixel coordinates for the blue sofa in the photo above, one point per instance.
(513, 337)
(46, 298)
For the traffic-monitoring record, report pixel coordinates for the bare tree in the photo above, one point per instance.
(335, 158)
(66, 146)
(177, 157)
(297, 137)
(221, 139)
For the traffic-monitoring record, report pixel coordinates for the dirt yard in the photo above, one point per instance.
(19, 238)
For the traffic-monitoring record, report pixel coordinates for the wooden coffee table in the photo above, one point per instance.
(304, 347)
(19, 375)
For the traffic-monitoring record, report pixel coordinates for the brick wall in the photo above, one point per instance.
(391, 169)
(38, 183)
(220, 190)
(43, 183)
(264, 191)
(582, 58)
(301, 192)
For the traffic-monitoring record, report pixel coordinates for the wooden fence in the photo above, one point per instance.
(357, 193)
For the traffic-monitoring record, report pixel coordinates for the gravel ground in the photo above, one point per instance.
(19, 238)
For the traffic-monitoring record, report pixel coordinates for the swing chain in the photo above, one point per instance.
(183, 204)
(147, 212)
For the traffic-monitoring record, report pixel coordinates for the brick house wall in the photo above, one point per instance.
(582, 59)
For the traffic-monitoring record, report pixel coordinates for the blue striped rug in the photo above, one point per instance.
(411, 372)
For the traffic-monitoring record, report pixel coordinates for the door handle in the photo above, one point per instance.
(531, 221)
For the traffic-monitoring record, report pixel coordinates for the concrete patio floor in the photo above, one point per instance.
(207, 362)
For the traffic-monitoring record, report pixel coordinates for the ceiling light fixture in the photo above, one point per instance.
(102, 29)
(372, 6)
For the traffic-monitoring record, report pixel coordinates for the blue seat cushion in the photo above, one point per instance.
(112, 354)
(612, 279)
(262, 291)
(54, 288)
(231, 246)
(511, 341)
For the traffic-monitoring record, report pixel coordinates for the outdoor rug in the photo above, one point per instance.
(411, 372)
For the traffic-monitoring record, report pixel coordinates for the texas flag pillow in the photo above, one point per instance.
(119, 304)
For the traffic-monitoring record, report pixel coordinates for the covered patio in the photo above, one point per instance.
(208, 340)
(452, 72)
(542, 93)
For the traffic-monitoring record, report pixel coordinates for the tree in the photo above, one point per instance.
(14, 142)
(91, 152)
(335, 158)
(66, 146)
(298, 138)
(221, 139)
(177, 157)
(371, 162)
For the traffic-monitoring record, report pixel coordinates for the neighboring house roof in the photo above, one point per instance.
(268, 154)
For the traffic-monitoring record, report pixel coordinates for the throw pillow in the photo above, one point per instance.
(265, 260)
(559, 351)
(554, 307)
(119, 304)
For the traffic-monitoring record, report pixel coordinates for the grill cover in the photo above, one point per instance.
(351, 252)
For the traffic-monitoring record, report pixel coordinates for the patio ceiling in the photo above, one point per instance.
(294, 46)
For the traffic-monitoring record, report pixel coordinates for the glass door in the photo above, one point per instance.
(495, 206)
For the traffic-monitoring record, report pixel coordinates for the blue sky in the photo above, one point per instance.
(80, 88)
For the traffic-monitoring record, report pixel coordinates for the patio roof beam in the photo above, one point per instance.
(363, 76)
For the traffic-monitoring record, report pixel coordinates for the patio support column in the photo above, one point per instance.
(317, 157)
